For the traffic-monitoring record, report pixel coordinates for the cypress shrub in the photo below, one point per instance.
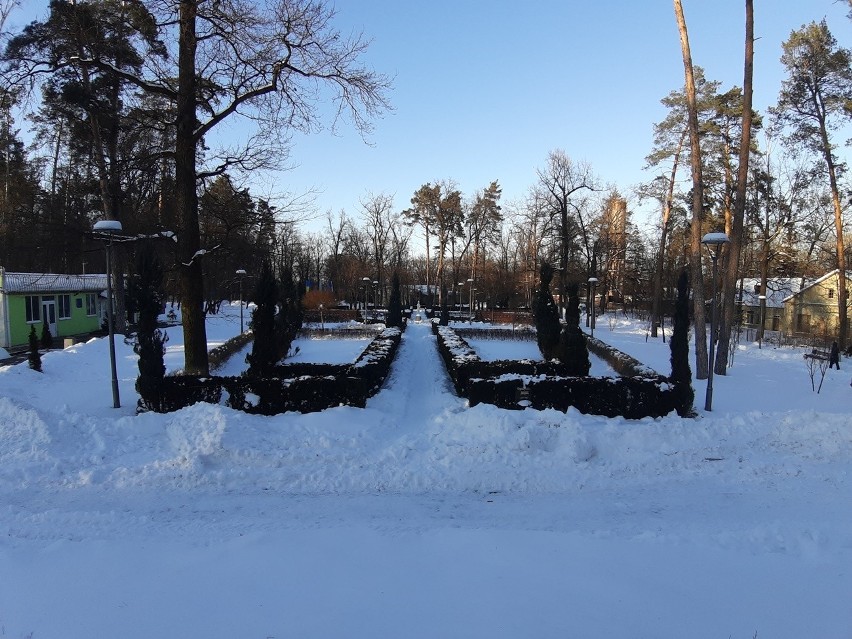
(445, 312)
(288, 321)
(264, 351)
(150, 344)
(46, 336)
(681, 375)
(546, 315)
(395, 304)
(34, 356)
(573, 349)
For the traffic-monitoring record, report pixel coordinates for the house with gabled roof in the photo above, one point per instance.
(813, 310)
(70, 305)
(777, 290)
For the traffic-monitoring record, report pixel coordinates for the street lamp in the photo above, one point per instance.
(241, 273)
(459, 297)
(375, 295)
(714, 243)
(109, 228)
(592, 282)
(470, 290)
(366, 284)
(762, 299)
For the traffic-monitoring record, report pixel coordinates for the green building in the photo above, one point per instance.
(70, 305)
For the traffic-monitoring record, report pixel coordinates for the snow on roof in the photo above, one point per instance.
(51, 283)
(777, 290)
(816, 281)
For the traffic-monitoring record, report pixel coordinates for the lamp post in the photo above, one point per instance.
(241, 273)
(470, 290)
(366, 284)
(322, 322)
(762, 299)
(714, 243)
(375, 295)
(592, 282)
(110, 228)
(459, 296)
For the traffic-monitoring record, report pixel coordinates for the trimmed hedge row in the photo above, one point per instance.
(305, 388)
(517, 384)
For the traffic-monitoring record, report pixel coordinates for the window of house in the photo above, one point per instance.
(757, 289)
(831, 293)
(91, 304)
(33, 308)
(749, 317)
(64, 306)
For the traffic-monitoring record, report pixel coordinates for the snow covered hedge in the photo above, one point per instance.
(540, 385)
(300, 387)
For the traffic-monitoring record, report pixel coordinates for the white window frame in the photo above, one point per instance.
(63, 303)
(91, 305)
(33, 303)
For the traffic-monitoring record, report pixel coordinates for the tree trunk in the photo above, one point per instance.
(701, 364)
(186, 199)
(731, 272)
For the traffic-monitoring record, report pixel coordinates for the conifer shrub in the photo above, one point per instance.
(34, 356)
(445, 312)
(46, 336)
(394, 318)
(546, 315)
(681, 375)
(264, 352)
(290, 315)
(573, 350)
(150, 343)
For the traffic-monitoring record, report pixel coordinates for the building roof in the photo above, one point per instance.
(51, 283)
(778, 289)
(816, 281)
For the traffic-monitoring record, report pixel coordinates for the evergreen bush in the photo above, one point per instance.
(150, 344)
(290, 314)
(34, 356)
(573, 349)
(394, 318)
(546, 315)
(679, 344)
(445, 312)
(46, 336)
(264, 351)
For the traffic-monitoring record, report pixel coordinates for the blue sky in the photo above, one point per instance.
(484, 90)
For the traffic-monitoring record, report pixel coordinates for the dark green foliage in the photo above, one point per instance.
(34, 355)
(546, 315)
(264, 352)
(445, 312)
(46, 336)
(573, 349)
(679, 344)
(395, 304)
(290, 314)
(150, 345)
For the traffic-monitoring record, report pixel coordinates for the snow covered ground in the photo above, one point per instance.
(421, 517)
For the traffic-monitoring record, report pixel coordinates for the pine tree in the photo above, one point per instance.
(546, 315)
(264, 350)
(34, 356)
(573, 348)
(679, 344)
(150, 343)
(395, 304)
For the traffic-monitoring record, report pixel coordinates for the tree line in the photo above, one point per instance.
(124, 99)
